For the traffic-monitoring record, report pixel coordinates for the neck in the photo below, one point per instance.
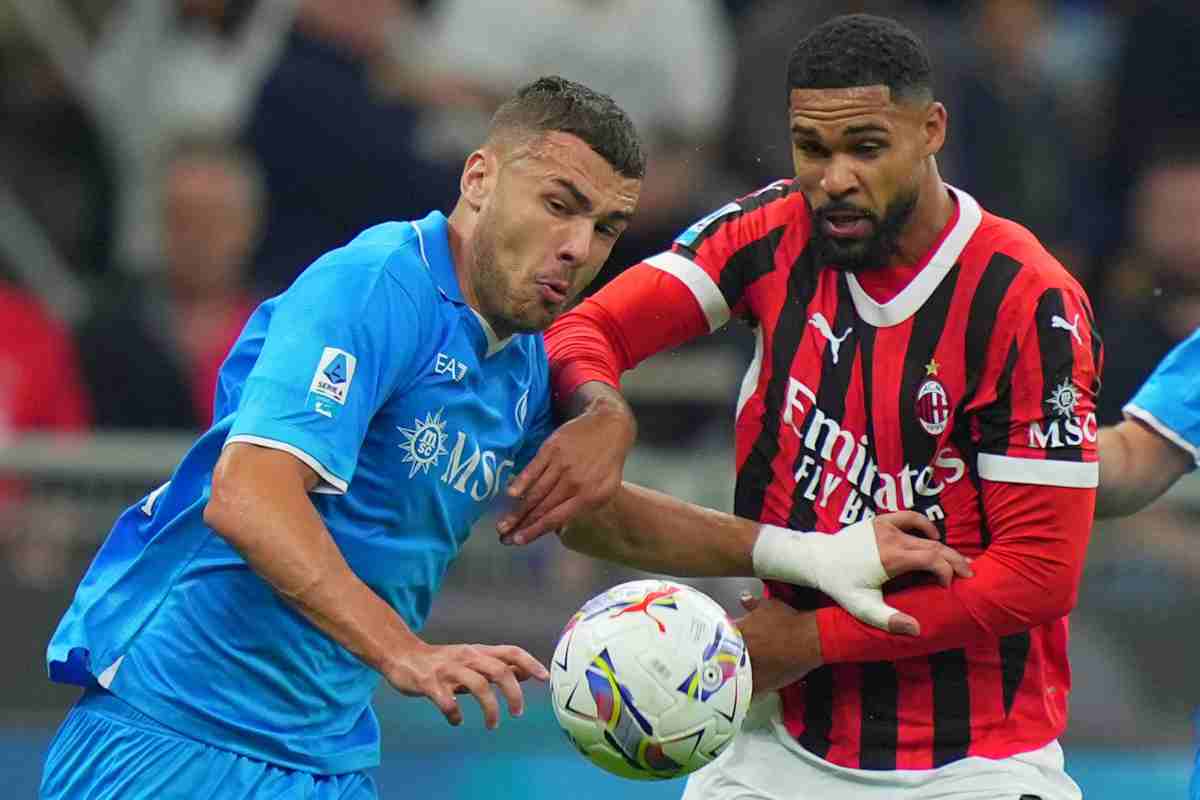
(934, 208)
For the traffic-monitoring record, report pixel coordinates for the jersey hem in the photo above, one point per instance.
(1162, 429)
(333, 484)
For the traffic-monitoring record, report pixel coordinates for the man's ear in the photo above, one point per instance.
(478, 178)
(936, 122)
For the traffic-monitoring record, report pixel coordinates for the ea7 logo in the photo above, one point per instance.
(449, 365)
(1070, 431)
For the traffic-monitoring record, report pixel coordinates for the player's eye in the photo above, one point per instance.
(607, 231)
(556, 206)
(869, 149)
(811, 149)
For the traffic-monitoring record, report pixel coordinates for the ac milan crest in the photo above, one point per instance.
(933, 406)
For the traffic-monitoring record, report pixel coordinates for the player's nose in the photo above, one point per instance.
(838, 178)
(576, 243)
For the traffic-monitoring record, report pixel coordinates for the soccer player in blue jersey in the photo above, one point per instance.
(1156, 444)
(233, 626)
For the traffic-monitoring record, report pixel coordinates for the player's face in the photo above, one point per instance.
(545, 229)
(860, 159)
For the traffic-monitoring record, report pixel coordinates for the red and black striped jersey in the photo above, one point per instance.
(981, 373)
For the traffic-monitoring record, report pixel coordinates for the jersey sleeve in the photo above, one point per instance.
(690, 290)
(1035, 414)
(1169, 401)
(340, 341)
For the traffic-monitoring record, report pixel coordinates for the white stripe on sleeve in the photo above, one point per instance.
(1071, 474)
(702, 287)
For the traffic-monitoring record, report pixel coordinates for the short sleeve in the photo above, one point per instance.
(1169, 400)
(340, 341)
(1041, 426)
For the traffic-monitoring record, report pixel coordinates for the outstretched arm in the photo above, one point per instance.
(260, 505)
(655, 532)
(1136, 466)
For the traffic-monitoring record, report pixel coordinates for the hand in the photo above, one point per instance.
(783, 643)
(900, 552)
(577, 469)
(441, 671)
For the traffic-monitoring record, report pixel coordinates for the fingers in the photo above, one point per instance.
(466, 677)
(531, 498)
(443, 698)
(912, 522)
(524, 665)
(748, 601)
(499, 674)
(533, 470)
(904, 625)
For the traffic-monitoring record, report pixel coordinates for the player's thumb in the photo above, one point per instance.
(869, 607)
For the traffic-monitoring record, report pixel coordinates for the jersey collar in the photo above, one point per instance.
(922, 287)
(433, 237)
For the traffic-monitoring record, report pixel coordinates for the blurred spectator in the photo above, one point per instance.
(668, 62)
(1157, 96)
(1152, 298)
(40, 386)
(152, 354)
(158, 69)
(335, 136)
(53, 160)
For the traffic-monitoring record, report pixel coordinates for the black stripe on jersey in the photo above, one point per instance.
(818, 711)
(998, 276)
(748, 265)
(920, 447)
(1057, 353)
(951, 706)
(1097, 347)
(755, 475)
(831, 406)
(1014, 654)
(879, 733)
(962, 440)
(995, 422)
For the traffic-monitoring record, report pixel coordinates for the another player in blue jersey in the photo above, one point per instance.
(1158, 443)
(233, 626)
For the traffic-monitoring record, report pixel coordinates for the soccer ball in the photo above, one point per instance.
(650, 680)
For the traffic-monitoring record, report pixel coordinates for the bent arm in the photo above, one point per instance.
(1136, 466)
(1027, 577)
(260, 505)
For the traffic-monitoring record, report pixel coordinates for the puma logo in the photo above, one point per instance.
(1058, 322)
(835, 342)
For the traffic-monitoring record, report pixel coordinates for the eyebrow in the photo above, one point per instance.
(867, 127)
(586, 204)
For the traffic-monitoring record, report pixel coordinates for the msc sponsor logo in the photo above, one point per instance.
(1069, 431)
(468, 469)
(837, 458)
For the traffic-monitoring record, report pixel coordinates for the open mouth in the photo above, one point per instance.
(846, 224)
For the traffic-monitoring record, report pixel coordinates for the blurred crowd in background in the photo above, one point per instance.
(167, 164)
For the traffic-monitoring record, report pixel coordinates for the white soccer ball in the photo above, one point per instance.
(650, 680)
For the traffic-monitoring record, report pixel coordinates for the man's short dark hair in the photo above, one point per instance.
(862, 50)
(556, 104)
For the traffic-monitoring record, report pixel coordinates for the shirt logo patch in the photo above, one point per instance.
(1063, 399)
(1058, 322)
(688, 237)
(823, 327)
(424, 443)
(933, 406)
(335, 372)
(449, 365)
(522, 409)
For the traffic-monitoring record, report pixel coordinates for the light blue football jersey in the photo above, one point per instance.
(372, 370)
(1169, 400)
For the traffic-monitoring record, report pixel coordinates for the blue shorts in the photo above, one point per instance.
(106, 750)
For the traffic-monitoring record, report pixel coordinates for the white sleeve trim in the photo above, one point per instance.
(1162, 429)
(702, 287)
(333, 484)
(1041, 472)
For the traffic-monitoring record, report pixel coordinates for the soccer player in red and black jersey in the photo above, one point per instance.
(913, 352)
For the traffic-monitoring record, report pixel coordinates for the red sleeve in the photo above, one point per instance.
(1028, 576)
(642, 311)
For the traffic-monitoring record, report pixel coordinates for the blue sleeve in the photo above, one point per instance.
(1169, 400)
(340, 341)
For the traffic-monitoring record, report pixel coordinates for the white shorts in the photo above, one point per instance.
(766, 763)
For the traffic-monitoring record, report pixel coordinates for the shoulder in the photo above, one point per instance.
(749, 217)
(1007, 257)
(382, 261)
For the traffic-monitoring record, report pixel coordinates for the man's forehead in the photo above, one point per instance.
(832, 105)
(563, 155)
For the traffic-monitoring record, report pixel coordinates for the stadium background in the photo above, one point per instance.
(164, 164)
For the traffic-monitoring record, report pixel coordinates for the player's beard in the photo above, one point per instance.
(872, 252)
(493, 284)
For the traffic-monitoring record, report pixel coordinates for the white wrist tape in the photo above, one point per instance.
(844, 565)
